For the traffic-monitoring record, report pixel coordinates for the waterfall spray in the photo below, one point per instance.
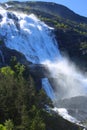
(69, 80)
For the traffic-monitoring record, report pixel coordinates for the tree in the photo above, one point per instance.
(37, 122)
(24, 118)
(2, 127)
(7, 71)
(20, 101)
(19, 69)
(9, 125)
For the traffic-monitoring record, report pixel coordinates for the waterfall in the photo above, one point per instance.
(28, 35)
(32, 37)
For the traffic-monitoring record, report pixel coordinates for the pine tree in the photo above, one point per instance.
(24, 118)
(9, 125)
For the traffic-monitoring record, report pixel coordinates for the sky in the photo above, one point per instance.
(78, 6)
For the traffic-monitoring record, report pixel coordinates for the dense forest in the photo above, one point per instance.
(22, 106)
(19, 105)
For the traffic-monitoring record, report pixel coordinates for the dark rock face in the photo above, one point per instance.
(39, 71)
(70, 43)
(12, 16)
(58, 123)
(8, 54)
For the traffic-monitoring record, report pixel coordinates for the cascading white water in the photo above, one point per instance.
(30, 36)
(35, 40)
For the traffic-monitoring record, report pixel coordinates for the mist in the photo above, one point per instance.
(68, 79)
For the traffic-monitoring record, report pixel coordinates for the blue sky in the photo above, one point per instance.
(78, 6)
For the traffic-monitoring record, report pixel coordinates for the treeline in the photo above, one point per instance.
(21, 106)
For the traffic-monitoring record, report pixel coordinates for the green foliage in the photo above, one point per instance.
(19, 100)
(13, 62)
(38, 124)
(9, 125)
(25, 121)
(37, 121)
(19, 69)
(2, 127)
(65, 24)
(83, 45)
(7, 71)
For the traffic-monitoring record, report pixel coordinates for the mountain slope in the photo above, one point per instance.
(56, 9)
(51, 9)
(70, 28)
